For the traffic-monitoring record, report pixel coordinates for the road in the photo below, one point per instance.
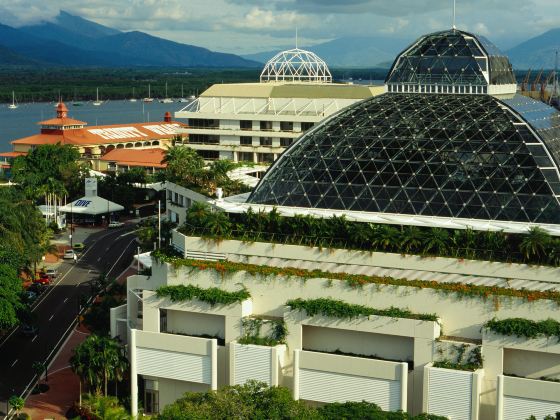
(108, 251)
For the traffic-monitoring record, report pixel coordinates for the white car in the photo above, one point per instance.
(115, 224)
(69, 254)
(51, 272)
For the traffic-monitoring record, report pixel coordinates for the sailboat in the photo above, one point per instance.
(149, 98)
(166, 100)
(182, 98)
(97, 102)
(13, 105)
(133, 99)
(75, 102)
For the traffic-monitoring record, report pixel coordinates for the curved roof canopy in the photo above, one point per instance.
(296, 65)
(454, 156)
(465, 62)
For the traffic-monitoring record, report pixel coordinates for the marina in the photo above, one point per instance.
(22, 121)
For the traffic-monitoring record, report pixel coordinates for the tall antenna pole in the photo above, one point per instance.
(454, 14)
(555, 88)
(296, 38)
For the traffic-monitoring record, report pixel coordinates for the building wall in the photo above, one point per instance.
(461, 317)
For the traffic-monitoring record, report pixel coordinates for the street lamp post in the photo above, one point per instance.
(71, 222)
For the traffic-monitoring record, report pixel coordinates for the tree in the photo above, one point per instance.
(254, 400)
(184, 165)
(16, 402)
(534, 244)
(411, 239)
(436, 241)
(10, 303)
(54, 168)
(98, 360)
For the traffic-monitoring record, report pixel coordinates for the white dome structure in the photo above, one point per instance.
(296, 65)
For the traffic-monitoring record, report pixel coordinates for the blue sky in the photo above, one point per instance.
(245, 26)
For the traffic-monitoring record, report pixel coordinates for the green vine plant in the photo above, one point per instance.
(463, 360)
(252, 328)
(358, 280)
(339, 309)
(213, 296)
(521, 327)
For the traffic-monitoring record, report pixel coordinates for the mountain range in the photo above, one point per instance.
(70, 40)
(73, 41)
(535, 53)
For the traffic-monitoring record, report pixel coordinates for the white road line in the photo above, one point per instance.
(65, 299)
(34, 338)
(52, 316)
(15, 361)
(120, 256)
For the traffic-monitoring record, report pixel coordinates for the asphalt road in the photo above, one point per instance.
(108, 251)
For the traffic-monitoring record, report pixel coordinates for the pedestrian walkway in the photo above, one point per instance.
(63, 384)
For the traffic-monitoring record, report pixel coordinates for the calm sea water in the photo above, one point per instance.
(22, 122)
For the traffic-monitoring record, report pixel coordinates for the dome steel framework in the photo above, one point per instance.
(296, 65)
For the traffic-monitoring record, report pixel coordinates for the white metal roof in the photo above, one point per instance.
(93, 205)
(237, 204)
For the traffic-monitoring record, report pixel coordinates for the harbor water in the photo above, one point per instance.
(22, 121)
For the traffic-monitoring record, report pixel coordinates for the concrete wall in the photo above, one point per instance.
(384, 346)
(344, 260)
(193, 323)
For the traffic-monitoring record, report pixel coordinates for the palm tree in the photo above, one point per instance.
(386, 237)
(554, 252)
(436, 241)
(411, 239)
(98, 360)
(183, 164)
(534, 244)
(218, 224)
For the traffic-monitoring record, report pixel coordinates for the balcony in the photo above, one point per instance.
(452, 393)
(252, 362)
(328, 378)
(521, 398)
(176, 357)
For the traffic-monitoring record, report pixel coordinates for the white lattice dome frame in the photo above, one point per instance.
(296, 65)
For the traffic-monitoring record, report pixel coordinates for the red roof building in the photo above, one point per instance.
(96, 141)
(125, 159)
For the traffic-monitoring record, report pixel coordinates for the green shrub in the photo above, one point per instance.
(339, 309)
(213, 295)
(526, 328)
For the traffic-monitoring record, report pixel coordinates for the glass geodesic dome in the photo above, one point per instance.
(453, 153)
(296, 65)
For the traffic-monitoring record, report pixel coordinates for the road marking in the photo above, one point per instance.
(99, 259)
(15, 361)
(52, 316)
(128, 233)
(77, 285)
(120, 256)
(65, 299)
(34, 338)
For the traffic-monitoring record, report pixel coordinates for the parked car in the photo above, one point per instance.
(69, 254)
(78, 247)
(51, 272)
(29, 296)
(115, 224)
(29, 330)
(44, 280)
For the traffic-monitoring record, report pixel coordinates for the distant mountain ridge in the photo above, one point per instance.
(73, 41)
(537, 52)
(350, 51)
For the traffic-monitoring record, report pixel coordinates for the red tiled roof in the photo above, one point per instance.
(12, 154)
(106, 134)
(136, 157)
(62, 122)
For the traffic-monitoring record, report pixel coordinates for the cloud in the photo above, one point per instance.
(231, 25)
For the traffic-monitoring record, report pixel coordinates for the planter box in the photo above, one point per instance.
(452, 393)
(252, 362)
(329, 378)
(520, 398)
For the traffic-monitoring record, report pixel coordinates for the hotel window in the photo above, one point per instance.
(246, 141)
(266, 125)
(286, 142)
(286, 126)
(265, 157)
(306, 126)
(151, 397)
(266, 141)
(245, 125)
(245, 157)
